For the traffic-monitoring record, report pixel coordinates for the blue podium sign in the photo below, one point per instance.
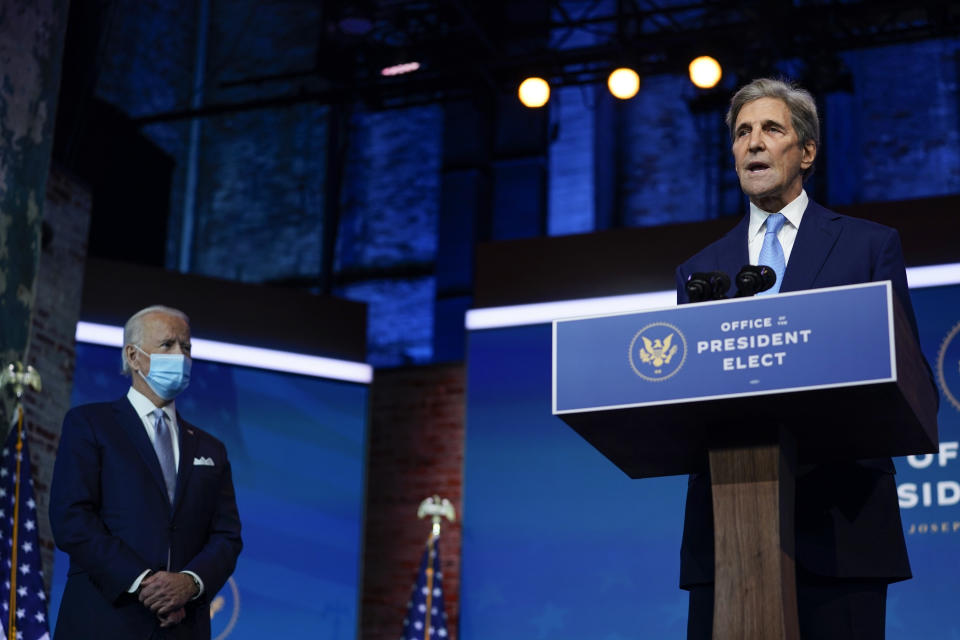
(654, 391)
(789, 342)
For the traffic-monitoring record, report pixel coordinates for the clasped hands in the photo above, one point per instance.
(165, 594)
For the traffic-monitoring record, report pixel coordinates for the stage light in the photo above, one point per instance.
(534, 92)
(244, 355)
(939, 275)
(623, 83)
(705, 72)
(546, 312)
(400, 69)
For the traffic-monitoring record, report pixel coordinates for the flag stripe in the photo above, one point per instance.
(22, 593)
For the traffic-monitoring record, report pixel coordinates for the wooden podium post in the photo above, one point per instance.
(755, 593)
(749, 388)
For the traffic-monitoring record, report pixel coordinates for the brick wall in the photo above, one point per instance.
(144, 66)
(416, 450)
(663, 156)
(388, 227)
(399, 318)
(52, 350)
(906, 113)
(260, 201)
(571, 158)
(260, 191)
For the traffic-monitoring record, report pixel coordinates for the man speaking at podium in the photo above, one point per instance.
(849, 538)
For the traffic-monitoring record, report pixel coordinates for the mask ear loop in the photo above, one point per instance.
(137, 347)
(140, 373)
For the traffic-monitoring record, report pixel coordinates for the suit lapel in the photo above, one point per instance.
(133, 426)
(816, 237)
(188, 450)
(733, 252)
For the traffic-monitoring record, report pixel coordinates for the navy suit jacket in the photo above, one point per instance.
(109, 511)
(847, 515)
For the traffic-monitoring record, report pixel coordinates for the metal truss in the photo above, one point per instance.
(471, 48)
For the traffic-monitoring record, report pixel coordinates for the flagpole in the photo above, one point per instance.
(17, 377)
(430, 552)
(11, 630)
(436, 509)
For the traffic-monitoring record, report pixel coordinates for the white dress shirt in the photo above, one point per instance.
(787, 235)
(145, 408)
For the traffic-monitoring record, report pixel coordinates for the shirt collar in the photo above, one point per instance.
(793, 212)
(144, 406)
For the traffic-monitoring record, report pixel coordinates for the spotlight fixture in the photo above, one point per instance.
(534, 92)
(705, 72)
(400, 69)
(623, 83)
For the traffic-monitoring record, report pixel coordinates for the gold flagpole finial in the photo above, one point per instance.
(437, 508)
(16, 377)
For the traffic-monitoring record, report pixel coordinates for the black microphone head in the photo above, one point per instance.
(751, 280)
(698, 287)
(720, 283)
(769, 276)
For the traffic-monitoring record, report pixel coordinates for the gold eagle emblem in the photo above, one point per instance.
(656, 359)
(657, 352)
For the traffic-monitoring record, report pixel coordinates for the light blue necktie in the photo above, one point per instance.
(163, 445)
(771, 253)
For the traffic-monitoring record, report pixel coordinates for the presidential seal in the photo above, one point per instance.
(948, 366)
(658, 351)
(224, 610)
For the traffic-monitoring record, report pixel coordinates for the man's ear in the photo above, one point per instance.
(809, 155)
(130, 352)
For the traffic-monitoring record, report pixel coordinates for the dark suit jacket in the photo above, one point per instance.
(110, 512)
(847, 515)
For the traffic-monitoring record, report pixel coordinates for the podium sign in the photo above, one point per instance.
(655, 390)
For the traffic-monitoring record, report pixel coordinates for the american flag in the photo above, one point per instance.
(29, 619)
(426, 619)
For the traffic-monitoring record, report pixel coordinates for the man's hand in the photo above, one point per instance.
(164, 592)
(173, 618)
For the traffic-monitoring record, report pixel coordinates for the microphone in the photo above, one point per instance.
(753, 279)
(707, 286)
(698, 287)
(721, 284)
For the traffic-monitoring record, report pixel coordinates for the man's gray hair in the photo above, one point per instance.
(133, 330)
(803, 109)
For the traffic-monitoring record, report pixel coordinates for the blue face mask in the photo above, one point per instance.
(169, 373)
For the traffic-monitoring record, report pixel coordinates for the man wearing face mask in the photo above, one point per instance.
(143, 501)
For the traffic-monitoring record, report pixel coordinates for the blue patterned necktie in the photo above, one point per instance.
(771, 253)
(163, 445)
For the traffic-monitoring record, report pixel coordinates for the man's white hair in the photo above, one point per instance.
(133, 330)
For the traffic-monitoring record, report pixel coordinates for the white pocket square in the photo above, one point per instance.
(203, 462)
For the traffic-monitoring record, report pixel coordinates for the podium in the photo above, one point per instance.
(746, 389)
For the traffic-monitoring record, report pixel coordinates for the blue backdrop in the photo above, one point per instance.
(297, 445)
(926, 605)
(558, 543)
